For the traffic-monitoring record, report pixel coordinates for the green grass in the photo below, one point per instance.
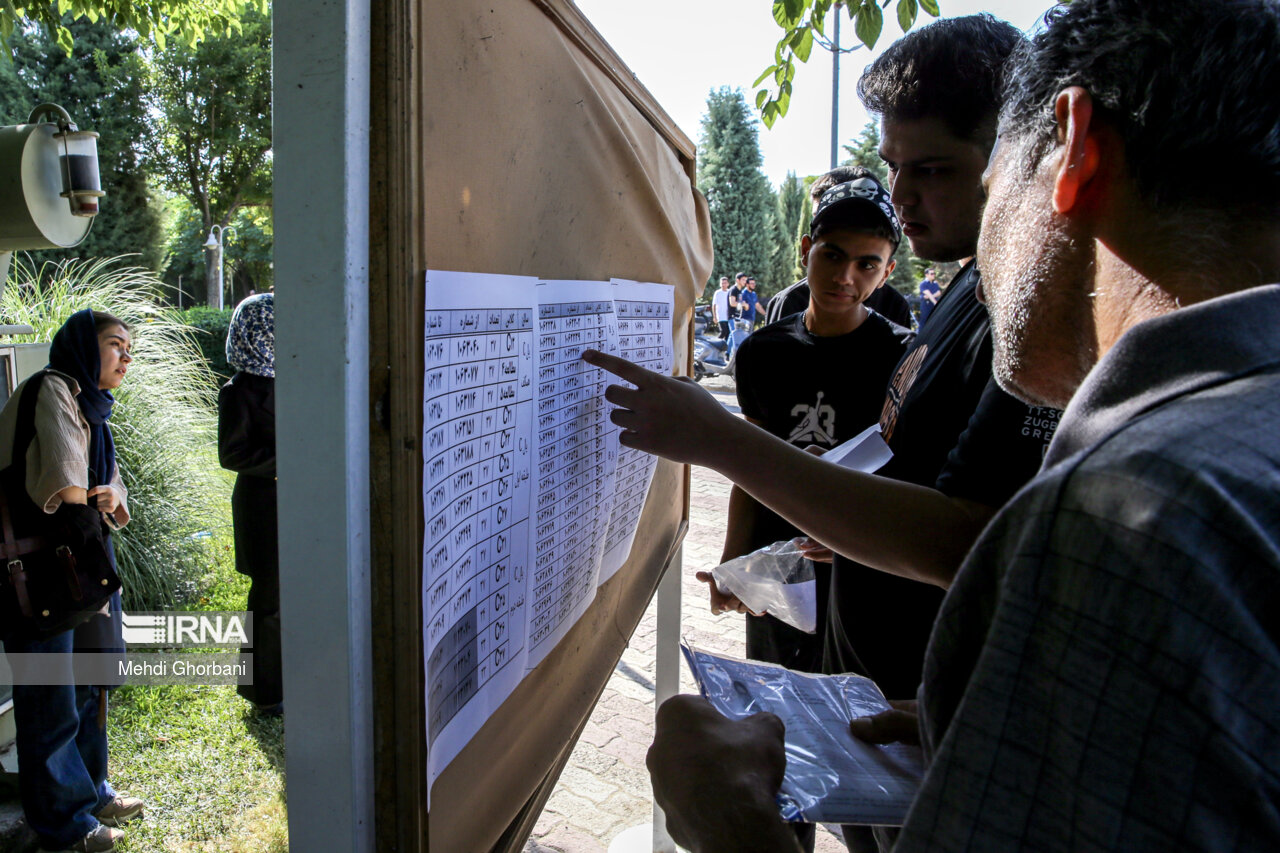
(210, 769)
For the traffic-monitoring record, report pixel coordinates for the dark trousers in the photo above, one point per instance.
(264, 604)
(724, 330)
(62, 752)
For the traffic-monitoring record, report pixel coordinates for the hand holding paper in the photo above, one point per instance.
(716, 778)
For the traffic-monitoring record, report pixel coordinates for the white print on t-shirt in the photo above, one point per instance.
(818, 424)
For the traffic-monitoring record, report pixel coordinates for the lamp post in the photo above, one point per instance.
(214, 246)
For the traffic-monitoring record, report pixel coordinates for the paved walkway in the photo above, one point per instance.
(604, 789)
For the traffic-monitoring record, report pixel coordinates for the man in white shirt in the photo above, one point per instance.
(720, 307)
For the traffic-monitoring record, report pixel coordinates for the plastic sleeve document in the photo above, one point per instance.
(831, 776)
(520, 477)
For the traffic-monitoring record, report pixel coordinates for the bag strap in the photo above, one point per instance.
(11, 547)
(25, 430)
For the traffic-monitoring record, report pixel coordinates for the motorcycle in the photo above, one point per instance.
(715, 356)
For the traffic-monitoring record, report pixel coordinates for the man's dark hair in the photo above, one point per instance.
(952, 69)
(852, 217)
(740, 275)
(838, 175)
(1192, 88)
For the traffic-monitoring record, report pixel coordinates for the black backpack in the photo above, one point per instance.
(57, 568)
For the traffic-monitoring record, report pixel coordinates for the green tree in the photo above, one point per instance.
(101, 84)
(865, 151)
(155, 20)
(211, 142)
(803, 25)
(784, 265)
(247, 257)
(736, 189)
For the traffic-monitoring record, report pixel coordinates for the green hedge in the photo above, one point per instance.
(211, 334)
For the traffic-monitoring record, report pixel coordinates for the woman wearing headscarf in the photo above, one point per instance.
(61, 728)
(247, 445)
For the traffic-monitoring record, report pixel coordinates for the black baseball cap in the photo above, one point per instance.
(864, 191)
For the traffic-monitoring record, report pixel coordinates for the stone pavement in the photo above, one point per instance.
(604, 789)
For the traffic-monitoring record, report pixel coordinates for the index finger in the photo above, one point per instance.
(620, 367)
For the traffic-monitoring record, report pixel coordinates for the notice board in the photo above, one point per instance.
(509, 140)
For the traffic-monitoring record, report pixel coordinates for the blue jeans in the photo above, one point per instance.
(62, 754)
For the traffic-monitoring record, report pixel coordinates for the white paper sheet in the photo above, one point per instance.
(519, 477)
(576, 453)
(644, 337)
(478, 412)
(865, 452)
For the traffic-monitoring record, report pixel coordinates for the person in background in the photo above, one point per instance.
(247, 445)
(818, 379)
(885, 301)
(720, 307)
(735, 295)
(61, 728)
(930, 293)
(749, 300)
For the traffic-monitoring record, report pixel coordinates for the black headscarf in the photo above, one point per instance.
(75, 352)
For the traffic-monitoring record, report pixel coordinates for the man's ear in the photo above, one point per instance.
(1077, 133)
(806, 243)
(888, 271)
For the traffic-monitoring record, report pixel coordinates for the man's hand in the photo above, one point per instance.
(899, 725)
(671, 417)
(723, 602)
(716, 778)
(816, 551)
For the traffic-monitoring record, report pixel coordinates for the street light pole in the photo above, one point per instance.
(214, 287)
(835, 90)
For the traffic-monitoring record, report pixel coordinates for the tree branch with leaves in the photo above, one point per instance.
(804, 24)
(187, 21)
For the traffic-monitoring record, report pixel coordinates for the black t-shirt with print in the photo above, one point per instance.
(810, 390)
(950, 427)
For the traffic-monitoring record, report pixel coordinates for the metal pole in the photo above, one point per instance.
(835, 90)
(666, 680)
(213, 282)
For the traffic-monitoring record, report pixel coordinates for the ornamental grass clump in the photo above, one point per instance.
(164, 422)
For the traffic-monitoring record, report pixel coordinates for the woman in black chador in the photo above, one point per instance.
(247, 445)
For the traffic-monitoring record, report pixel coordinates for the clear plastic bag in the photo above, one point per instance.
(777, 580)
(831, 776)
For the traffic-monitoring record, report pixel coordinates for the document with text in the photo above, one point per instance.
(529, 500)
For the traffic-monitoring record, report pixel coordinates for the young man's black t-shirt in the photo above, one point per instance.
(735, 304)
(951, 428)
(807, 390)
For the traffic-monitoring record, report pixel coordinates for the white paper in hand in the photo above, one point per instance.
(865, 452)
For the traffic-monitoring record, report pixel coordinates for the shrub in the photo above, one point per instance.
(211, 334)
(164, 422)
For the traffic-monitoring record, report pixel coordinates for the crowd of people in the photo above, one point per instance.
(1066, 580)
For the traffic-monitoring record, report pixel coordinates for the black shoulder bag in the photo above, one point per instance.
(58, 571)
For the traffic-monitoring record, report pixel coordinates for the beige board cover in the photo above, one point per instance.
(542, 156)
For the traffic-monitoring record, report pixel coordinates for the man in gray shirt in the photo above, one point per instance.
(1105, 671)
